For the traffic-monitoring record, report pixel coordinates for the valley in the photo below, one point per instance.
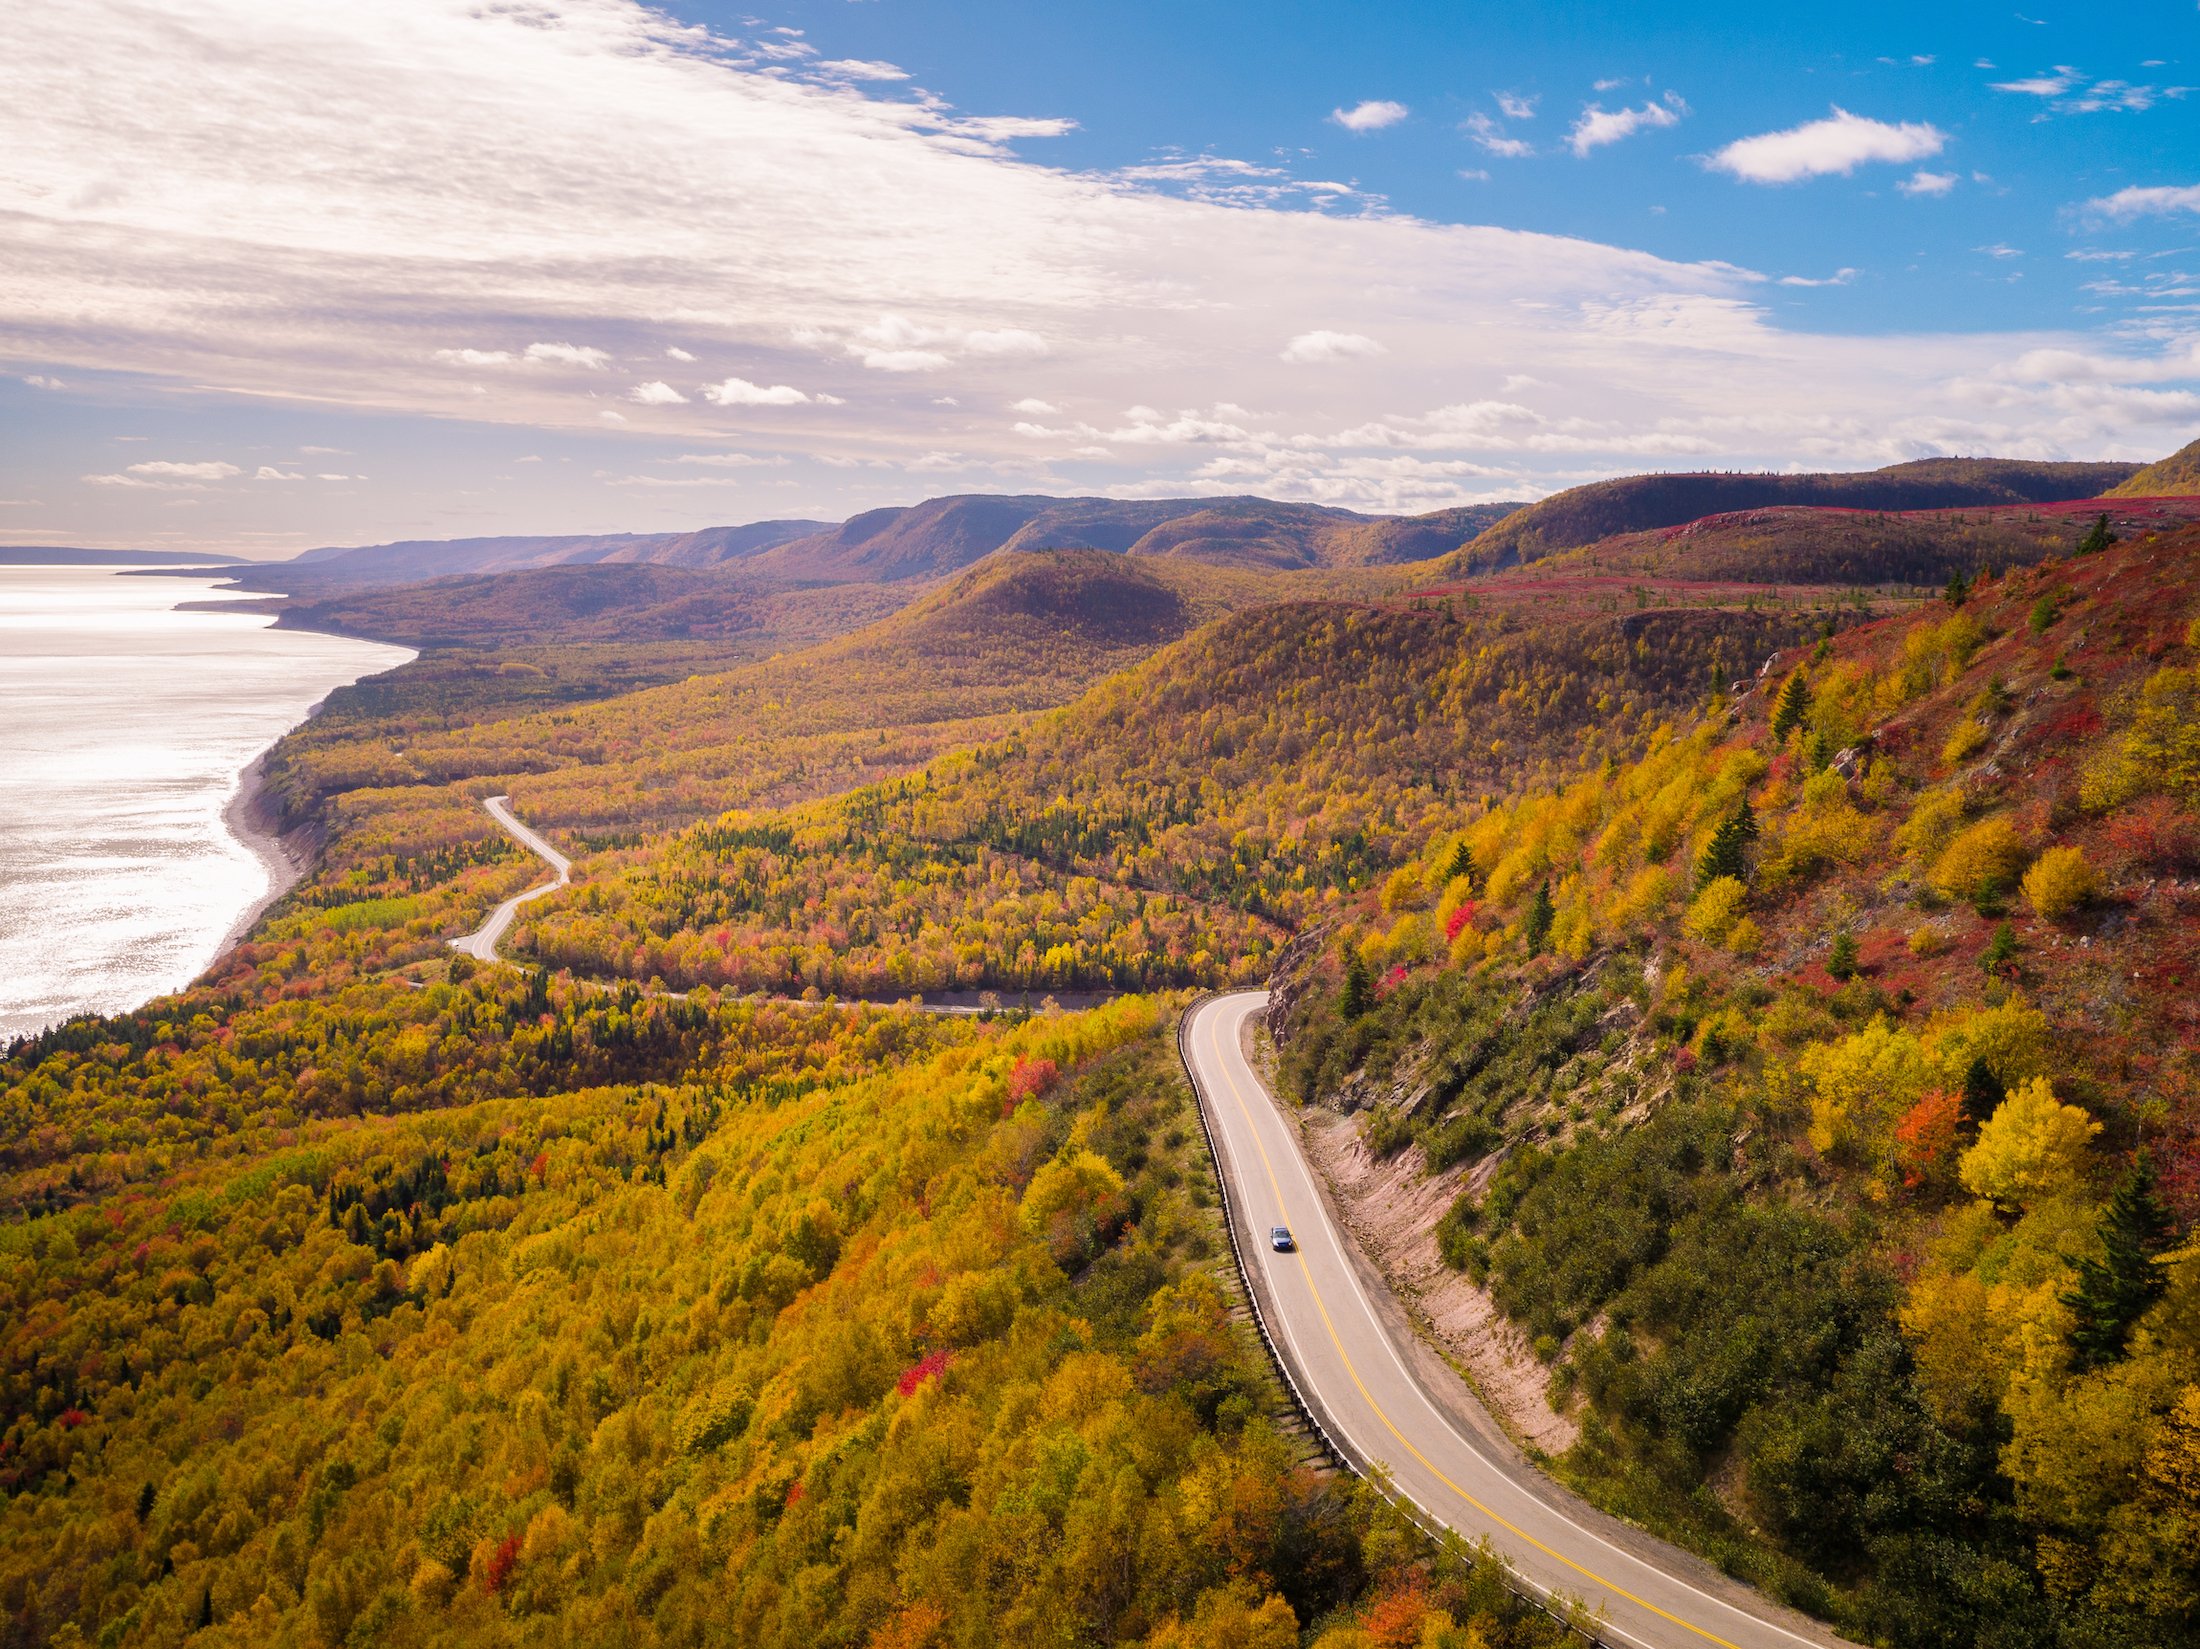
(1754, 915)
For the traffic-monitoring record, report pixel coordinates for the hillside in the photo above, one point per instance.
(2178, 475)
(594, 603)
(942, 535)
(1818, 1097)
(1169, 827)
(1919, 550)
(343, 569)
(1637, 503)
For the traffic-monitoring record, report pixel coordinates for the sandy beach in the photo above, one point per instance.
(286, 856)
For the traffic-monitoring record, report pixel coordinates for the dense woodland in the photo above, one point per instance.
(1810, 1042)
(1823, 1093)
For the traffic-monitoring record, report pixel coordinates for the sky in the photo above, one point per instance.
(277, 275)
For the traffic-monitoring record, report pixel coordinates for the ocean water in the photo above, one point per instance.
(125, 725)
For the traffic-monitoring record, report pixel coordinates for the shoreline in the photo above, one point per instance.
(286, 856)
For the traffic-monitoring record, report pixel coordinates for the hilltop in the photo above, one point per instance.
(2178, 475)
(1636, 503)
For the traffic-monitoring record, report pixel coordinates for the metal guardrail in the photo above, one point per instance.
(1439, 1532)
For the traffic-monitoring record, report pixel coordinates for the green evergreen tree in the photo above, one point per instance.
(1462, 863)
(1841, 958)
(206, 1610)
(1535, 927)
(2001, 950)
(1359, 991)
(1792, 708)
(1982, 1095)
(1958, 590)
(2097, 538)
(2115, 1290)
(1726, 854)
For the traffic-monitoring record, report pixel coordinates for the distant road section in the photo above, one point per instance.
(1386, 1402)
(482, 943)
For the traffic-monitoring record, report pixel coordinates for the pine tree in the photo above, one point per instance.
(2097, 538)
(1462, 863)
(2001, 950)
(1841, 958)
(206, 1610)
(1359, 993)
(1982, 1096)
(1792, 707)
(2115, 1290)
(1535, 927)
(1726, 854)
(1958, 590)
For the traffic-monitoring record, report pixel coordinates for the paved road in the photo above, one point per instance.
(1378, 1395)
(482, 944)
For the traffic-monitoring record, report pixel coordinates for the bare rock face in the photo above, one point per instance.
(1294, 973)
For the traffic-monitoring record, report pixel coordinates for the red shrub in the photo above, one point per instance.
(928, 1367)
(1031, 1078)
(1456, 923)
(70, 1419)
(2154, 834)
(501, 1563)
(1925, 1138)
(795, 1492)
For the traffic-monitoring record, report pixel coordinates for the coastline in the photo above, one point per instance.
(286, 856)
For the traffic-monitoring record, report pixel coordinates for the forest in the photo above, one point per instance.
(1820, 1095)
(1774, 936)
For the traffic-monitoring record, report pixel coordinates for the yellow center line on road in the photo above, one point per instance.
(1406, 1442)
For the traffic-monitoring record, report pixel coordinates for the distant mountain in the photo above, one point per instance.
(2176, 476)
(943, 535)
(912, 543)
(1636, 503)
(413, 561)
(571, 603)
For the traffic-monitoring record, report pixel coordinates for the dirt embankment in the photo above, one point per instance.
(1392, 1208)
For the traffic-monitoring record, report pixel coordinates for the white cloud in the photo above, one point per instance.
(166, 469)
(1927, 183)
(2042, 85)
(476, 357)
(609, 417)
(1598, 126)
(1371, 116)
(1515, 106)
(1032, 403)
(1838, 144)
(1491, 137)
(568, 355)
(2142, 202)
(731, 460)
(675, 353)
(268, 472)
(861, 68)
(739, 392)
(1999, 249)
(656, 393)
(39, 380)
(1312, 348)
(1840, 277)
(446, 185)
(1611, 85)
(167, 474)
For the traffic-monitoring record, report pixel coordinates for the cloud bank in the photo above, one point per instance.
(531, 214)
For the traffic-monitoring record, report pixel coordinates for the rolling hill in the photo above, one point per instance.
(1636, 503)
(2178, 475)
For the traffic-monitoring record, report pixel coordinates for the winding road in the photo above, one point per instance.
(1387, 1401)
(481, 944)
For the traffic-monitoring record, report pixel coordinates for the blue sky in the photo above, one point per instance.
(287, 276)
(1259, 81)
